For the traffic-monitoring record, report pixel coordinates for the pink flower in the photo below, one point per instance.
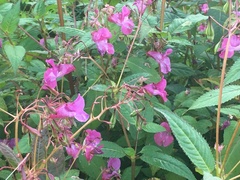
(72, 109)
(56, 71)
(121, 19)
(91, 142)
(164, 138)
(73, 150)
(202, 27)
(162, 59)
(220, 147)
(225, 124)
(114, 165)
(101, 37)
(142, 5)
(157, 89)
(204, 8)
(233, 46)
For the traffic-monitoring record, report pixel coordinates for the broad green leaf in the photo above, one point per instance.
(231, 111)
(208, 176)
(153, 127)
(9, 154)
(70, 31)
(111, 149)
(15, 55)
(181, 70)
(5, 7)
(10, 20)
(192, 143)
(86, 41)
(126, 112)
(39, 9)
(211, 98)
(180, 41)
(92, 169)
(101, 88)
(168, 163)
(137, 65)
(233, 74)
(126, 175)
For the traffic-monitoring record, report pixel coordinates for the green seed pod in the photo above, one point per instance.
(209, 30)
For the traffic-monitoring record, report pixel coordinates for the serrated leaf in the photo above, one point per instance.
(192, 143)
(86, 41)
(9, 154)
(10, 20)
(153, 127)
(137, 65)
(233, 74)
(211, 98)
(70, 31)
(39, 9)
(111, 149)
(181, 70)
(15, 55)
(168, 163)
(56, 164)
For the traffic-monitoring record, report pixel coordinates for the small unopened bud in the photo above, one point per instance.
(209, 30)
(226, 7)
(217, 46)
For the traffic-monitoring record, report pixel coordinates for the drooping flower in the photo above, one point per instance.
(54, 72)
(101, 37)
(73, 150)
(225, 124)
(157, 89)
(91, 144)
(142, 5)
(122, 19)
(204, 8)
(72, 109)
(202, 27)
(164, 138)
(112, 169)
(234, 45)
(162, 59)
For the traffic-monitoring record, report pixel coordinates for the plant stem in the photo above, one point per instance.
(162, 14)
(220, 100)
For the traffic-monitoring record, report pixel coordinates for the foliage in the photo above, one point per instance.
(137, 89)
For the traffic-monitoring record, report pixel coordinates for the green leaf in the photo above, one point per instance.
(192, 143)
(126, 175)
(233, 74)
(101, 88)
(39, 9)
(10, 156)
(111, 149)
(134, 78)
(137, 65)
(15, 55)
(70, 31)
(86, 41)
(208, 176)
(168, 163)
(181, 70)
(180, 41)
(211, 98)
(10, 20)
(153, 127)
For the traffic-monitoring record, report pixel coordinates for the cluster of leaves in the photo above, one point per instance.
(114, 87)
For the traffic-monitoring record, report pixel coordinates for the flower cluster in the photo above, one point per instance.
(91, 144)
(204, 8)
(101, 37)
(112, 169)
(122, 19)
(142, 5)
(164, 138)
(54, 72)
(234, 45)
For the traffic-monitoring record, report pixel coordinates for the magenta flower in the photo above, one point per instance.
(225, 124)
(142, 5)
(91, 142)
(164, 138)
(9, 142)
(202, 27)
(72, 109)
(73, 150)
(113, 167)
(162, 59)
(234, 45)
(157, 89)
(121, 19)
(56, 71)
(204, 8)
(101, 37)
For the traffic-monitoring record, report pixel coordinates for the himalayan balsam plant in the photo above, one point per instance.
(137, 89)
